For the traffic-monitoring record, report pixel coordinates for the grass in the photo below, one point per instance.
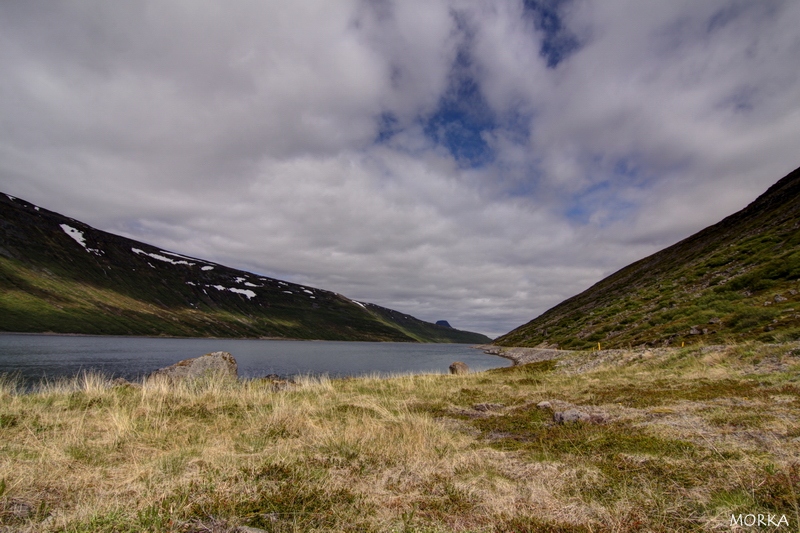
(679, 440)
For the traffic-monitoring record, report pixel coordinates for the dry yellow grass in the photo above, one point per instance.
(680, 440)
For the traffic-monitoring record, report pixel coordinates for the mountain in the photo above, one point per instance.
(60, 275)
(734, 281)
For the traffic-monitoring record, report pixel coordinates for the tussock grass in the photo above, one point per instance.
(681, 440)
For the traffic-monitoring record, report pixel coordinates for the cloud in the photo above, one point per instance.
(460, 159)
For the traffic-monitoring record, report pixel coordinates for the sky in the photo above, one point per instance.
(474, 161)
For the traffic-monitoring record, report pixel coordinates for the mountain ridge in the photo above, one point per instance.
(60, 275)
(735, 280)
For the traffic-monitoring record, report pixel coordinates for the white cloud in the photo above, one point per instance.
(245, 134)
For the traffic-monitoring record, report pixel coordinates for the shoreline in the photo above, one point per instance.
(56, 334)
(521, 355)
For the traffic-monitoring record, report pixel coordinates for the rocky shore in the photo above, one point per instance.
(521, 356)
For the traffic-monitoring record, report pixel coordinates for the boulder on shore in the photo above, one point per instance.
(213, 363)
(459, 368)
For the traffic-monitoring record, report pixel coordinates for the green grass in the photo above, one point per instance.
(681, 439)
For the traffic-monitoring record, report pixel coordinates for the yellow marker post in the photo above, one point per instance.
(598, 346)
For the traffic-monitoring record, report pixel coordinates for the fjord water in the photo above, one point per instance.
(37, 357)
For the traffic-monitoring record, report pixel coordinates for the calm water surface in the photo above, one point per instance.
(34, 357)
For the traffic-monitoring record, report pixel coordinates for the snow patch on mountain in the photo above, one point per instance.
(161, 257)
(248, 293)
(77, 235)
(173, 254)
(74, 233)
(245, 292)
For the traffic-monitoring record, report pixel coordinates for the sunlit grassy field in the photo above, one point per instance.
(671, 440)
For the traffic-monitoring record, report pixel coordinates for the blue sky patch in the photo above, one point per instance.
(462, 117)
(604, 196)
(601, 198)
(558, 43)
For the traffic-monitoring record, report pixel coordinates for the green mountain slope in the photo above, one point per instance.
(60, 275)
(736, 280)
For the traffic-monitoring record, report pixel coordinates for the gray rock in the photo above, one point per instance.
(544, 405)
(714, 320)
(213, 363)
(488, 406)
(459, 368)
(695, 331)
(574, 415)
(779, 298)
(598, 418)
(570, 415)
